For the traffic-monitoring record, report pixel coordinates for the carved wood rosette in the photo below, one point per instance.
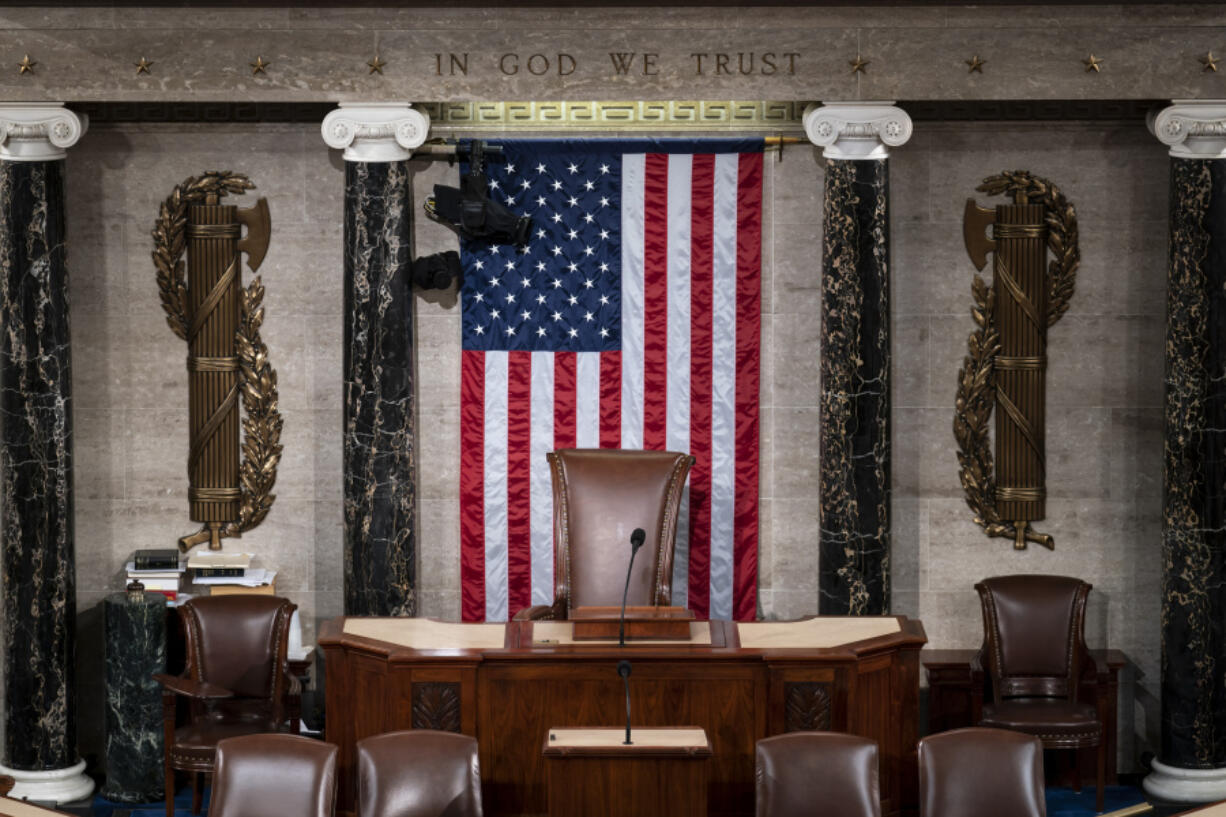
(1006, 365)
(806, 707)
(436, 705)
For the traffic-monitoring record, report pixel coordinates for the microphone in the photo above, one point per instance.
(636, 542)
(623, 669)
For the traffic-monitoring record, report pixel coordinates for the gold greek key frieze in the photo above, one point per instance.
(641, 115)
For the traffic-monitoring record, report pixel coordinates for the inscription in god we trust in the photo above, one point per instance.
(619, 63)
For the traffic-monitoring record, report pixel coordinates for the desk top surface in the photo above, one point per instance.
(526, 639)
(691, 740)
(20, 808)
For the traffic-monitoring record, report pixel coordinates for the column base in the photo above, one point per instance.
(1176, 785)
(52, 786)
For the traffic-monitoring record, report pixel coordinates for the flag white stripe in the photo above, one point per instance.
(496, 577)
(587, 399)
(541, 490)
(677, 422)
(634, 170)
(723, 385)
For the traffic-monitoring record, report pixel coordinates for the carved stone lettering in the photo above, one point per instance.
(436, 705)
(806, 707)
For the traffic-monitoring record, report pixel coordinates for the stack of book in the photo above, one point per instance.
(225, 573)
(158, 570)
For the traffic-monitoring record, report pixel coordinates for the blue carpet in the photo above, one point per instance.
(183, 806)
(1064, 802)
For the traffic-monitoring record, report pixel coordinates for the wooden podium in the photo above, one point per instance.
(592, 773)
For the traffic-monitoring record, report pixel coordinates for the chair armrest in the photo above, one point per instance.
(190, 688)
(537, 612)
(293, 685)
(977, 684)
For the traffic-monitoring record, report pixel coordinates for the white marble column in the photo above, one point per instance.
(36, 521)
(1191, 763)
(380, 445)
(854, 459)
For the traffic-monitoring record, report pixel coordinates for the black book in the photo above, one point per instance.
(219, 572)
(157, 559)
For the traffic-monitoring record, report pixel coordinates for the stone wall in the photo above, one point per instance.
(1104, 385)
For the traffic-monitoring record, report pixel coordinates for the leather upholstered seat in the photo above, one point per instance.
(1035, 655)
(600, 496)
(977, 772)
(418, 773)
(237, 682)
(274, 776)
(804, 774)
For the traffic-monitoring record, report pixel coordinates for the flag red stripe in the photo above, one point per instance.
(564, 400)
(519, 481)
(748, 360)
(611, 399)
(702, 278)
(472, 482)
(655, 300)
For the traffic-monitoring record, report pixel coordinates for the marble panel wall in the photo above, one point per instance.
(1104, 381)
(1104, 389)
(130, 383)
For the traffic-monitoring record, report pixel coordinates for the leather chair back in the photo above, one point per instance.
(599, 497)
(239, 642)
(1034, 634)
(798, 770)
(976, 772)
(274, 776)
(418, 773)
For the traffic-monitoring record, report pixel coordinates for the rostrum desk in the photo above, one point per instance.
(507, 684)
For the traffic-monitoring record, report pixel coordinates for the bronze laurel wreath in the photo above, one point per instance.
(258, 380)
(976, 387)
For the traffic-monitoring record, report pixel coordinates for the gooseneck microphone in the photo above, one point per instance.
(636, 541)
(623, 669)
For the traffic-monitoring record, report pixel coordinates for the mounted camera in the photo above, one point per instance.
(437, 271)
(470, 210)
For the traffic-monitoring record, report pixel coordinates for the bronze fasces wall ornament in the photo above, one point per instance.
(229, 484)
(1006, 364)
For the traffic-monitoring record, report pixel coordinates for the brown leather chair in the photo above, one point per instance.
(976, 772)
(237, 681)
(802, 774)
(418, 773)
(1034, 652)
(600, 495)
(274, 776)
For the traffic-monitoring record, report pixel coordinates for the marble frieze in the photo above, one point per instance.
(322, 54)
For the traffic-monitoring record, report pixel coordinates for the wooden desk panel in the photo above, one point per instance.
(509, 697)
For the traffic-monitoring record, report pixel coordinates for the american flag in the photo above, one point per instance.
(630, 319)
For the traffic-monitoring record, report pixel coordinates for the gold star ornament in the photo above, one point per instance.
(1093, 63)
(975, 65)
(26, 66)
(376, 65)
(859, 65)
(1209, 61)
(258, 66)
(143, 66)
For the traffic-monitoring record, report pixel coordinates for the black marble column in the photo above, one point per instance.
(380, 490)
(1194, 514)
(855, 390)
(135, 651)
(36, 523)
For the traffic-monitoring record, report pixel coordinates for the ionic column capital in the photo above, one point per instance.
(1193, 128)
(38, 131)
(375, 131)
(857, 130)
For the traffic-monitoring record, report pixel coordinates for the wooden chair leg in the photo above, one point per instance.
(196, 792)
(1077, 770)
(170, 791)
(1101, 774)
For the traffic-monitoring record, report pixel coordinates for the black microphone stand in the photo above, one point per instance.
(623, 666)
